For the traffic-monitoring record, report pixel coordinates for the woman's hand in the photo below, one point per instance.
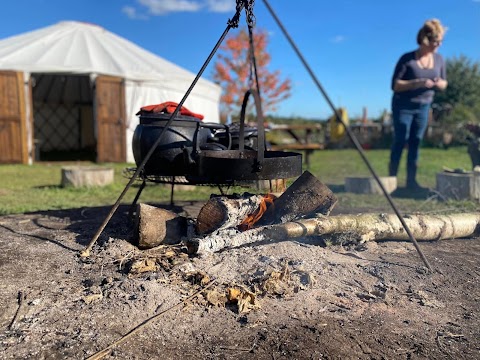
(428, 83)
(440, 83)
(405, 85)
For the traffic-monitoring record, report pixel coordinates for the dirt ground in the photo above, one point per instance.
(288, 300)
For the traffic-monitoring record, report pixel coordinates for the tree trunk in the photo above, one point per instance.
(363, 227)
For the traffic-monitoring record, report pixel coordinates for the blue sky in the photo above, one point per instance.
(351, 45)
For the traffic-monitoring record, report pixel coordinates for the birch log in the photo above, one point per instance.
(364, 227)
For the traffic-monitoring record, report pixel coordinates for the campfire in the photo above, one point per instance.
(236, 213)
(250, 221)
(307, 195)
(302, 210)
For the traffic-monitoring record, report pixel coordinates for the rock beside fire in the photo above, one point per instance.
(157, 226)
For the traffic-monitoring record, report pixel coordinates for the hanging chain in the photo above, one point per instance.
(248, 6)
(233, 22)
(251, 20)
(252, 64)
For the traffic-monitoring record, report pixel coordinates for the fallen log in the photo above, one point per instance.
(363, 227)
(221, 212)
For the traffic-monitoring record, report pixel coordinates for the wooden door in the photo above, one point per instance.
(13, 120)
(110, 118)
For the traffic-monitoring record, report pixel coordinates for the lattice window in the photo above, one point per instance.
(57, 127)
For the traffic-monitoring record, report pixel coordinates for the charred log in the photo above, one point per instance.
(225, 211)
(306, 196)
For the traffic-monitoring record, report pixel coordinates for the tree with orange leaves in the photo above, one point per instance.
(232, 72)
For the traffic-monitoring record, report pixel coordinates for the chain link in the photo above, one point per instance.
(251, 20)
(233, 22)
(248, 6)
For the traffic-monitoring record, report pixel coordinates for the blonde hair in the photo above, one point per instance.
(430, 31)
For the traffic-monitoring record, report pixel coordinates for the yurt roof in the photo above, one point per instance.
(83, 48)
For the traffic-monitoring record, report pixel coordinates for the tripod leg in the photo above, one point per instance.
(171, 191)
(134, 203)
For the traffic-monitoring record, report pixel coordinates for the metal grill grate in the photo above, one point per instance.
(177, 180)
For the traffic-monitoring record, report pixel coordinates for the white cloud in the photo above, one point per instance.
(221, 6)
(131, 12)
(162, 7)
(337, 39)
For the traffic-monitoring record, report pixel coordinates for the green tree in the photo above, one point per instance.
(460, 102)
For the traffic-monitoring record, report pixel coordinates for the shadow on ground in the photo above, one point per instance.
(419, 194)
(86, 221)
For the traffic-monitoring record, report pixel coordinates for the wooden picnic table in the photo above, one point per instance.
(301, 137)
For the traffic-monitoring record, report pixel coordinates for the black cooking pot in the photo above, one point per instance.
(233, 137)
(175, 155)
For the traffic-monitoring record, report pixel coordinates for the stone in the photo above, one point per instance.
(459, 185)
(86, 176)
(368, 185)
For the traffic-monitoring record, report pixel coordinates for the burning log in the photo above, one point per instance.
(307, 195)
(363, 227)
(158, 226)
(225, 212)
(252, 219)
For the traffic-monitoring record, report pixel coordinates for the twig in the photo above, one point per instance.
(448, 334)
(20, 298)
(125, 258)
(441, 347)
(106, 351)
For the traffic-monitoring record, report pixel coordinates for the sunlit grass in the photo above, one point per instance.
(25, 188)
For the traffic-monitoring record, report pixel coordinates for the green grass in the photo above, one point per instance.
(333, 166)
(25, 188)
(28, 188)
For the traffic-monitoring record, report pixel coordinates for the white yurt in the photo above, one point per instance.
(70, 91)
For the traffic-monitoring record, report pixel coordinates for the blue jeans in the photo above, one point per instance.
(409, 125)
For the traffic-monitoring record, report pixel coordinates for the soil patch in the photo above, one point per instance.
(295, 299)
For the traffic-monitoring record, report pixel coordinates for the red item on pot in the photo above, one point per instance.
(168, 107)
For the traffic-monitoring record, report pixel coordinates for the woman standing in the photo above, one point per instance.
(416, 77)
